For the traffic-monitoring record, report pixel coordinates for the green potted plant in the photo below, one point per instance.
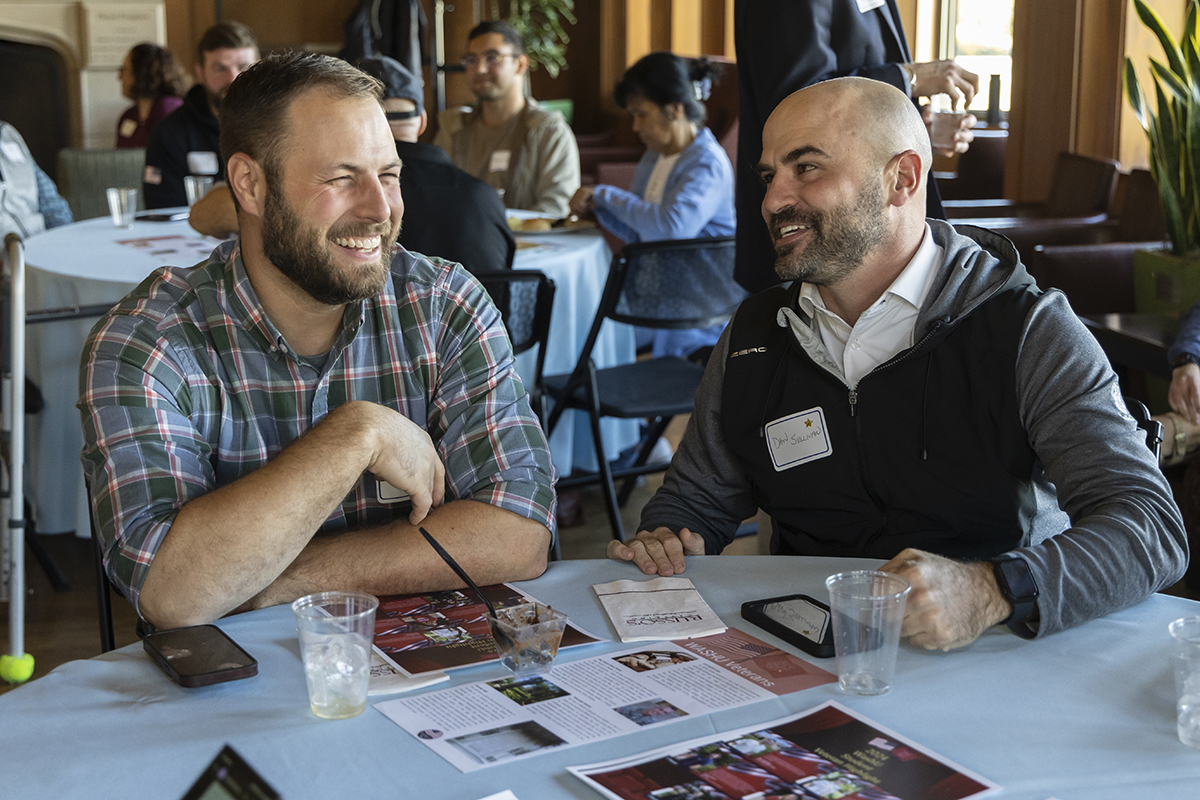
(1167, 281)
(542, 23)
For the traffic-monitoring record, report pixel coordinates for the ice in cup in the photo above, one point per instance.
(336, 629)
(945, 122)
(527, 637)
(122, 203)
(196, 187)
(1185, 634)
(868, 610)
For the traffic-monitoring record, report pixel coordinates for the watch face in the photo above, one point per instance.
(1018, 579)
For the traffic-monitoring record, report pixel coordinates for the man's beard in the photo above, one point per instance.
(302, 254)
(840, 240)
(215, 98)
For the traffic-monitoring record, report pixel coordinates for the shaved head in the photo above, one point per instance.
(846, 162)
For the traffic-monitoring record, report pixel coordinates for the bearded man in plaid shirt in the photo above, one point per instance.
(280, 418)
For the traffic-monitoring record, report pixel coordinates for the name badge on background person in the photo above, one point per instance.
(203, 162)
(869, 5)
(798, 438)
(127, 128)
(12, 151)
(500, 161)
(389, 494)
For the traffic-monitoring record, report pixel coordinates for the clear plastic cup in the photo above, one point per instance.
(196, 187)
(1185, 634)
(336, 629)
(944, 123)
(122, 203)
(868, 610)
(527, 637)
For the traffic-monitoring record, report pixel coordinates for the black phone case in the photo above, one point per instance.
(245, 670)
(752, 612)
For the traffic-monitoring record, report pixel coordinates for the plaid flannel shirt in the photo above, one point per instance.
(186, 386)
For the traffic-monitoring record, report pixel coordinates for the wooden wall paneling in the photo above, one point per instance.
(1042, 121)
(685, 28)
(1102, 37)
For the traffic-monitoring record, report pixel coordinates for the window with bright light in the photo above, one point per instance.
(978, 35)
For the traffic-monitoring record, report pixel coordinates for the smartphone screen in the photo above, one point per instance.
(801, 616)
(199, 654)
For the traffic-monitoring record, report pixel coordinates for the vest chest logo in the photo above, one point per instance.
(798, 438)
(747, 351)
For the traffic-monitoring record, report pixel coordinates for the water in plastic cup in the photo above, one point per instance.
(122, 203)
(196, 187)
(527, 637)
(1185, 633)
(868, 610)
(336, 629)
(944, 123)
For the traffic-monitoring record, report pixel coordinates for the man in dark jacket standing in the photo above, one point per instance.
(913, 397)
(186, 142)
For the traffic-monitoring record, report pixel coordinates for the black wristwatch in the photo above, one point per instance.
(1184, 358)
(1016, 583)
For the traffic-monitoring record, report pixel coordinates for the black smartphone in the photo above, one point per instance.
(152, 216)
(199, 656)
(797, 619)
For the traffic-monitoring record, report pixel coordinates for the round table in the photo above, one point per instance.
(1086, 713)
(92, 262)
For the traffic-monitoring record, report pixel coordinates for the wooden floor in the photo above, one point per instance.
(62, 626)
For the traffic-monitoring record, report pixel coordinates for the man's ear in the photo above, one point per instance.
(522, 64)
(424, 123)
(674, 111)
(906, 178)
(248, 183)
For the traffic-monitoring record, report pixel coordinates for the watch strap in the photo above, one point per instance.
(1015, 581)
(1184, 358)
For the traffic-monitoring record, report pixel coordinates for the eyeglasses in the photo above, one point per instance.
(491, 58)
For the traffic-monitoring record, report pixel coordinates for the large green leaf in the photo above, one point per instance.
(1152, 21)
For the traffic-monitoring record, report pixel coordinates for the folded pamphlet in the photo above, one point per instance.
(658, 609)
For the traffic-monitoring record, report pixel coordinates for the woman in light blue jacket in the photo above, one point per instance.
(683, 185)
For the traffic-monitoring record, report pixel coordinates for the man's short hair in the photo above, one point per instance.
(508, 32)
(231, 35)
(253, 112)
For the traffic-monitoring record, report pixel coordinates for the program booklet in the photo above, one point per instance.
(826, 753)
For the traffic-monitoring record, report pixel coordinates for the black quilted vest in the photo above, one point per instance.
(928, 452)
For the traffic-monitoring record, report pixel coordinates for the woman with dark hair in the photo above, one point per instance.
(683, 185)
(153, 81)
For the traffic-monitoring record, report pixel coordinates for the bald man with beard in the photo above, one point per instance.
(913, 397)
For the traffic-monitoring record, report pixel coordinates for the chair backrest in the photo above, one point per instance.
(1082, 186)
(525, 298)
(673, 284)
(84, 175)
(1142, 218)
(1152, 427)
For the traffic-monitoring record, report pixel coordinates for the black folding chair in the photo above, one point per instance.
(675, 284)
(526, 299)
(1152, 427)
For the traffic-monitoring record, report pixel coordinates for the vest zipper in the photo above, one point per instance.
(853, 403)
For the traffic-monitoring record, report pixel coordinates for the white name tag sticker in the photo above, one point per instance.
(13, 152)
(388, 493)
(500, 161)
(798, 439)
(203, 162)
(869, 5)
(127, 128)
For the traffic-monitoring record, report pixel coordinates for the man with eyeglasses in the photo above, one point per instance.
(526, 153)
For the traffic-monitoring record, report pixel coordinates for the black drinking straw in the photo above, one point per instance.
(461, 572)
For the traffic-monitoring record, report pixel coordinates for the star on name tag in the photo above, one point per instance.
(798, 438)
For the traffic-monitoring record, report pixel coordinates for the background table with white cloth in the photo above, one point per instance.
(1086, 714)
(92, 262)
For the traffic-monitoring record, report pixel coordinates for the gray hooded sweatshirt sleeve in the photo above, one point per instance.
(1115, 534)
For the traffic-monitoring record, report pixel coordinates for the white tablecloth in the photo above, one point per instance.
(86, 263)
(1087, 714)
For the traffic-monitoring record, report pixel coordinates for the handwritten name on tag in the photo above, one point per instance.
(798, 439)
